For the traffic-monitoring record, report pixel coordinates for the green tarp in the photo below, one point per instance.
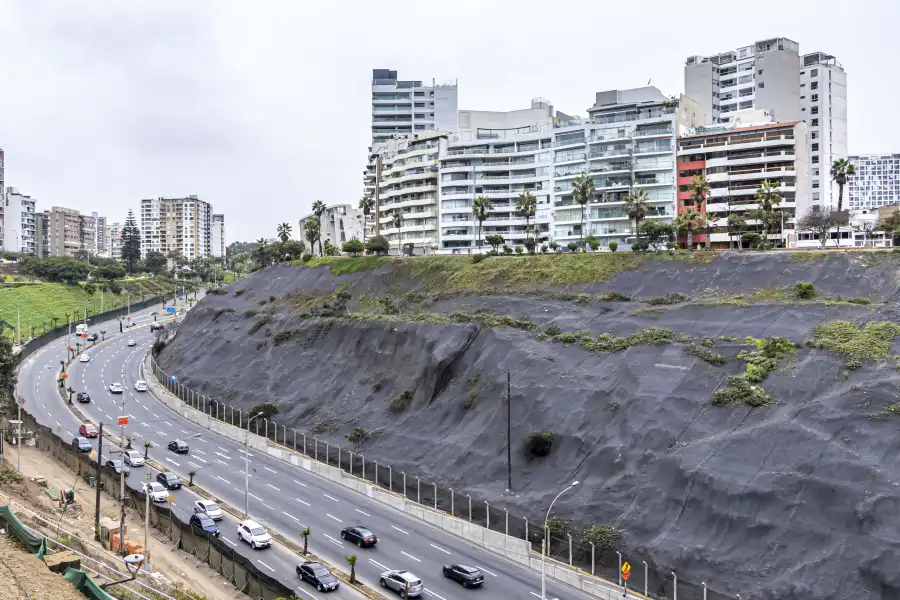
(86, 585)
(14, 527)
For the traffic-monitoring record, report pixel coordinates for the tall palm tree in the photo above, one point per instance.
(261, 252)
(318, 209)
(481, 208)
(636, 208)
(736, 224)
(311, 231)
(769, 197)
(688, 223)
(583, 192)
(365, 205)
(841, 169)
(526, 206)
(699, 189)
(284, 231)
(396, 220)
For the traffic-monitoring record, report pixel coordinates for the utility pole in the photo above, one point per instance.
(97, 484)
(122, 482)
(101, 299)
(19, 441)
(509, 488)
(18, 327)
(147, 519)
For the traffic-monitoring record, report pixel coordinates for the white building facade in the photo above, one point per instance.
(218, 244)
(182, 225)
(340, 223)
(876, 182)
(114, 240)
(400, 108)
(19, 222)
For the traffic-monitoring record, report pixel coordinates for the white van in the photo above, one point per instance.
(80, 329)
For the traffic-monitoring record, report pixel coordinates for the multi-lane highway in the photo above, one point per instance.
(282, 497)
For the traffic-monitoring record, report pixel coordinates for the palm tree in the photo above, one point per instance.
(311, 231)
(699, 189)
(351, 560)
(261, 252)
(769, 197)
(284, 231)
(736, 224)
(687, 223)
(481, 208)
(191, 480)
(146, 449)
(318, 209)
(636, 208)
(395, 221)
(841, 169)
(365, 205)
(583, 192)
(526, 206)
(305, 533)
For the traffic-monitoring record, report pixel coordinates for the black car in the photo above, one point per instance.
(359, 535)
(84, 397)
(319, 576)
(82, 444)
(467, 576)
(204, 522)
(169, 480)
(178, 446)
(155, 326)
(92, 337)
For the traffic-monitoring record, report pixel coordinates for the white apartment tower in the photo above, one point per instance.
(182, 225)
(400, 108)
(773, 76)
(876, 182)
(339, 224)
(217, 248)
(19, 222)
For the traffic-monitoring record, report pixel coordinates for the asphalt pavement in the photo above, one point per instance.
(282, 497)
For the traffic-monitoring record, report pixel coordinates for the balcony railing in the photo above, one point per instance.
(650, 132)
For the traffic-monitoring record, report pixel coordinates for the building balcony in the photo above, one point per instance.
(611, 153)
(762, 141)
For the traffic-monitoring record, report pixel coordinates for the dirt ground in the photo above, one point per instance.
(182, 570)
(23, 575)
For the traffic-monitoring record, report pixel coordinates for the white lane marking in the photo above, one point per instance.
(60, 424)
(108, 417)
(410, 556)
(136, 434)
(194, 464)
(441, 549)
(430, 593)
(486, 571)
(362, 513)
(270, 470)
(172, 461)
(242, 472)
(184, 432)
(225, 456)
(273, 487)
(199, 440)
(155, 416)
(400, 530)
(223, 479)
(200, 459)
(222, 462)
(378, 564)
(334, 541)
(267, 506)
(265, 565)
(167, 424)
(145, 425)
(291, 516)
(200, 452)
(158, 432)
(254, 496)
(533, 594)
(333, 517)
(331, 497)
(304, 502)
(298, 483)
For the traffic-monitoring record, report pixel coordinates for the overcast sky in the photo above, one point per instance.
(262, 107)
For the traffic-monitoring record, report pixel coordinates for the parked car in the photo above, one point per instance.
(134, 458)
(132, 343)
(359, 535)
(178, 446)
(466, 576)
(116, 465)
(92, 337)
(157, 491)
(84, 358)
(210, 508)
(254, 534)
(316, 574)
(169, 479)
(140, 385)
(204, 522)
(88, 430)
(83, 397)
(115, 388)
(403, 582)
(82, 444)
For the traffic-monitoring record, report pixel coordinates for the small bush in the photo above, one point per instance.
(239, 292)
(672, 245)
(262, 302)
(519, 250)
(262, 322)
(640, 246)
(284, 336)
(861, 301)
(266, 410)
(672, 298)
(378, 384)
(507, 250)
(471, 399)
(613, 246)
(307, 256)
(221, 311)
(539, 444)
(604, 537)
(713, 358)
(613, 297)
(572, 246)
(740, 390)
(216, 292)
(250, 313)
(804, 290)
(544, 248)
(402, 401)
(552, 331)
(354, 247)
(477, 258)
(271, 298)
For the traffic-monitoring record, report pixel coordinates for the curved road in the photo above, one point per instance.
(282, 497)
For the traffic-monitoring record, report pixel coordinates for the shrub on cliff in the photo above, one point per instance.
(377, 245)
(539, 444)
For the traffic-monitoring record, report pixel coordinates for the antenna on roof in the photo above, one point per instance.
(649, 80)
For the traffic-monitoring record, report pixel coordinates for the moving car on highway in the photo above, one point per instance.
(316, 574)
(466, 576)
(140, 385)
(359, 535)
(82, 444)
(88, 430)
(178, 446)
(254, 534)
(92, 337)
(155, 326)
(115, 388)
(204, 522)
(83, 397)
(169, 480)
(134, 458)
(403, 582)
(209, 508)
(84, 358)
(116, 465)
(158, 492)
(132, 343)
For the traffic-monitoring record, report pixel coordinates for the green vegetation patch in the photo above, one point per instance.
(672, 298)
(613, 297)
(402, 401)
(871, 341)
(285, 336)
(344, 266)
(220, 312)
(765, 358)
(704, 353)
(608, 342)
(479, 318)
(260, 323)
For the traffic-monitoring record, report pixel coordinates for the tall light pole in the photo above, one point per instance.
(546, 544)
(675, 594)
(247, 467)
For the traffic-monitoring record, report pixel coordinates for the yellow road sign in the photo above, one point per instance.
(626, 567)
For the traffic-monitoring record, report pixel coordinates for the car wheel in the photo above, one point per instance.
(359, 544)
(465, 584)
(383, 583)
(253, 545)
(319, 587)
(343, 535)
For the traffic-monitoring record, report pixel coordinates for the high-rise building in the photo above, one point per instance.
(176, 225)
(66, 232)
(340, 223)
(114, 240)
(772, 75)
(19, 222)
(42, 233)
(400, 107)
(217, 247)
(102, 249)
(876, 182)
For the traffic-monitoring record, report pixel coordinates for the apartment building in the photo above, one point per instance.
(42, 233)
(114, 240)
(102, 248)
(217, 248)
(772, 75)
(182, 225)
(65, 232)
(403, 107)
(340, 223)
(19, 222)
(735, 161)
(876, 182)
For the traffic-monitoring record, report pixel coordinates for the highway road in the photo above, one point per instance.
(282, 497)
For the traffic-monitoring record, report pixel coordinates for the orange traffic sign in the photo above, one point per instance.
(625, 575)
(122, 420)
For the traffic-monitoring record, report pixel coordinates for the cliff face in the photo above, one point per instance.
(796, 497)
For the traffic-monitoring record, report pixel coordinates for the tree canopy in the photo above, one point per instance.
(131, 242)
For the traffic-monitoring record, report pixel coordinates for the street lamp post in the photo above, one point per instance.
(646, 585)
(545, 546)
(247, 467)
(675, 593)
(703, 583)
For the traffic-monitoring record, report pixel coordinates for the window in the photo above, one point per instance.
(815, 184)
(814, 110)
(815, 159)
(760, 72)
(419, 94)
(815, 122)
(814, 85)
(813, 72)
(815, 147)
(815, 196)
(815, 135)
(814, 97)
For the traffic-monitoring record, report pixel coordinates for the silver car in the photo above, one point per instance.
(403, 582)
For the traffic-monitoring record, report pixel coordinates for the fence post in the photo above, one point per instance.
(339, 456)
(526, 529)
(592, 558)
(376, 472)
(284, 435)
(404, 483)
(363, 458)
(390, 478)
(295, 439)
(304, 445)
(452, 512)
(435, 495)
(317, 448)
(327, 451)
(418, 491)
(507, 520)
(488, 512)
(570, 550)
(470, 507)
(620, 567)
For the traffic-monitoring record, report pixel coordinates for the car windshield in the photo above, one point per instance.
(133, 455)
(156, 487)
(320, 571)
(89, 428)
(116, 463)
(258, 531)
(170, 477)
(205, 521)
(365, 532)
(211, 506)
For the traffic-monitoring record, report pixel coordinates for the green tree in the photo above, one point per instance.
(318, 209)
(241, 263)
(736, 225)
(396, 221)
(604, 537)
(305, 533)
(583, 192)
(191, 480)
(261, 253)
(526, 206)
(155, 262)
(366, 205)
(284, 231)
(354, 247)
(769, 198)
(593, 242)
(656, 234)
(841, 169)
(820, 222)
(700, 189)
(351, 560)
(312, 231)
(495, 241)
(688, 223)
(8, 363)
(131, 242)
(377, 245)
(481, 208)
(147, 446)
(636, 208)
(265, 410)
(108, 272)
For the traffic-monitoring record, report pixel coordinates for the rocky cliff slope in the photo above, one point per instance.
(734, 431)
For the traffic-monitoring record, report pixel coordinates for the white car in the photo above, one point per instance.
(209, 508)
(115, 388)
(134, 458)
(84, 358)
(132, 343)
(254, 534)
(140, 385)
(157, 492)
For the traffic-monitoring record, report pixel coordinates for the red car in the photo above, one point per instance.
(88, 430)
